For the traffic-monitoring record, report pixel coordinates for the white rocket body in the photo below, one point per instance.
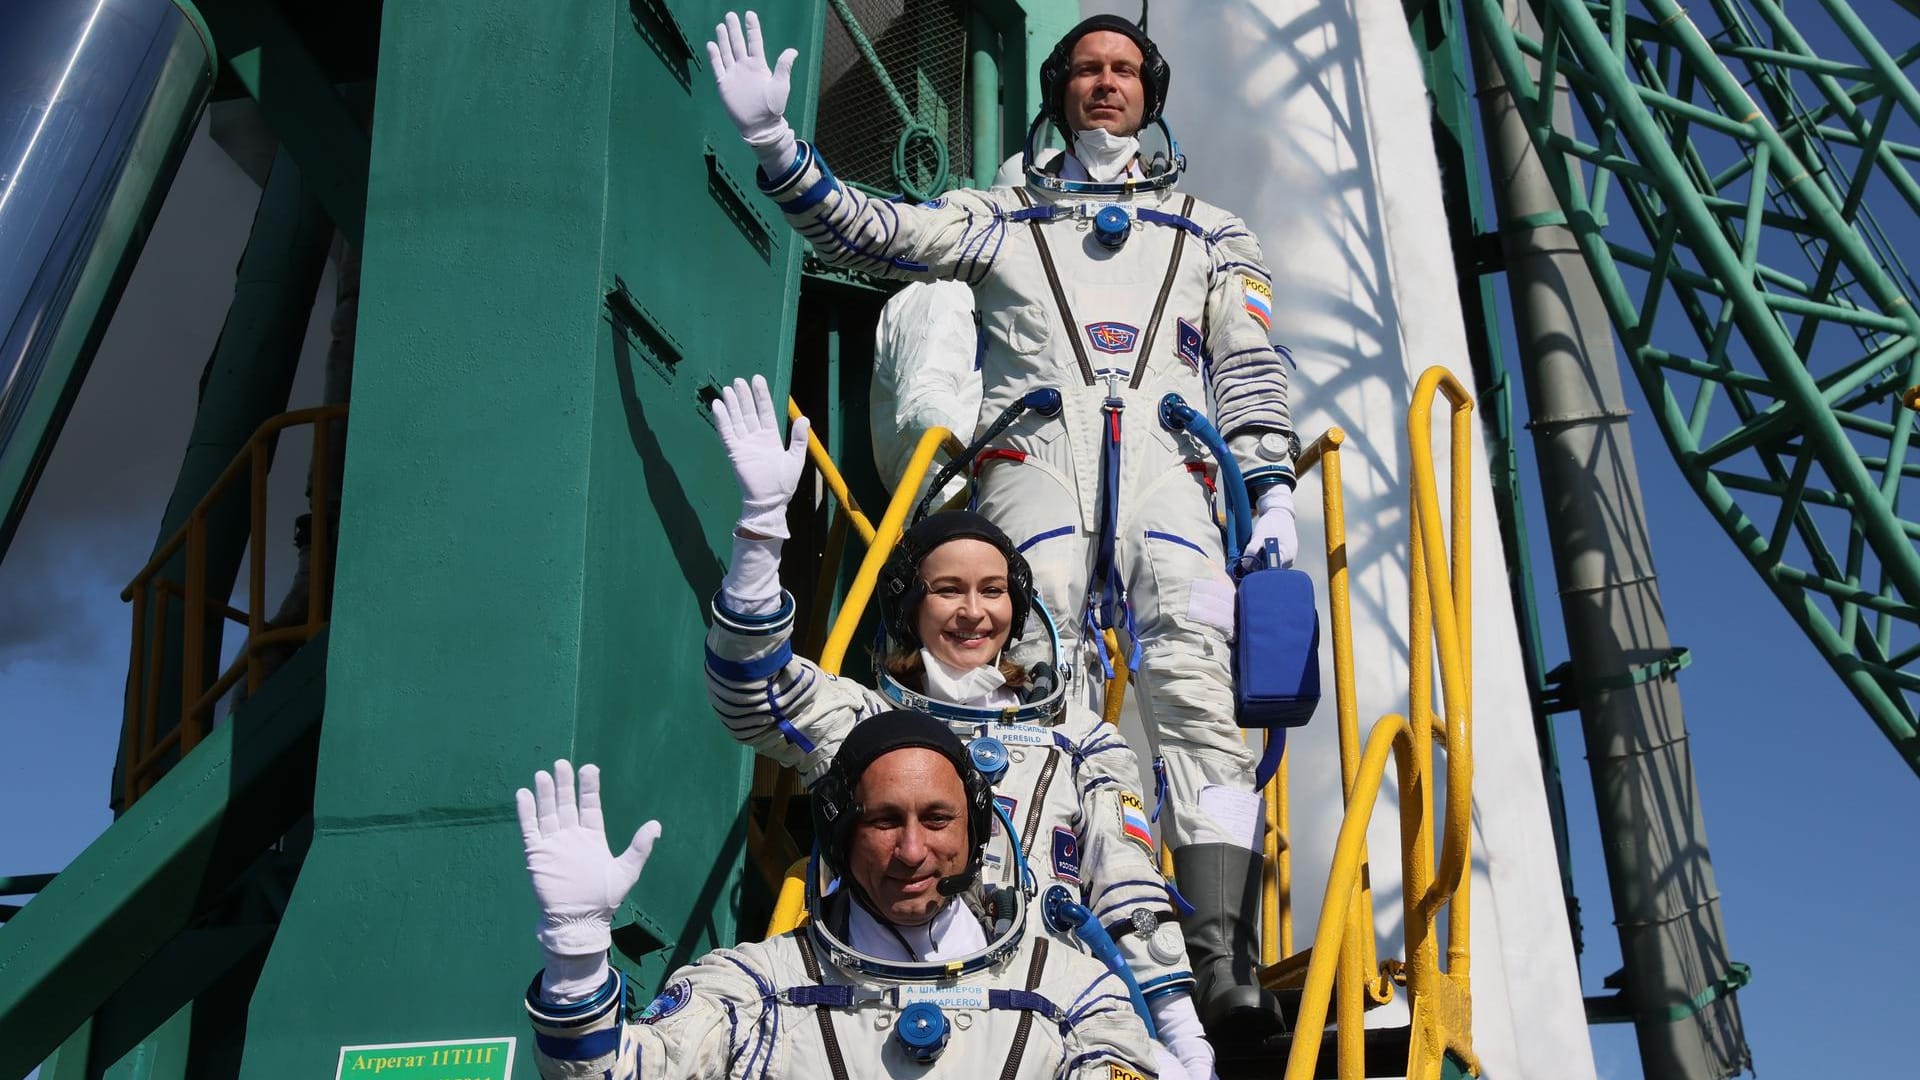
(1309, 118)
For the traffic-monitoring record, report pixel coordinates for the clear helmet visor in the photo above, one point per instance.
(1046, 708)
(1163, 165)
(1002, 911)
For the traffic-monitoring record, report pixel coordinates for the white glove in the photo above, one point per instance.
(754, 96)
(767, 471)
(577, 881)
(1274, 518)
(1178, 1024)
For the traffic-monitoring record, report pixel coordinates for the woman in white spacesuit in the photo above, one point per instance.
(1099, 280)
(952, 596)
(910, 966)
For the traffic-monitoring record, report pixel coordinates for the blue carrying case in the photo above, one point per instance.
(1276, 650)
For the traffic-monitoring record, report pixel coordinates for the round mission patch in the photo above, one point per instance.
(671, 1000)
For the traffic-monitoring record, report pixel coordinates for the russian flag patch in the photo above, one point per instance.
(1259, 300)
(1133, 820)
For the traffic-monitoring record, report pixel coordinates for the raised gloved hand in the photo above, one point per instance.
(768, 471)
(1177, 1023)
(755, 96)
(577, 881)
(1274, 518)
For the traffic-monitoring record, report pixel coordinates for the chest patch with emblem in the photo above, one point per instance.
(1066, 854)
(1187, 343)
(671, 1000)
(1009, 805)
(1112, 337)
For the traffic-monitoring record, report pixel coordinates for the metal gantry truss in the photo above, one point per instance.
(1764, 309)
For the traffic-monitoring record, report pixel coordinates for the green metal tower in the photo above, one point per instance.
(1718, 187)
(563, 256)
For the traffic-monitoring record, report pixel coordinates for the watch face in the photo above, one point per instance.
(1145, 922)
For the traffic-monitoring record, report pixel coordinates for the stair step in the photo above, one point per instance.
(1386, 1055)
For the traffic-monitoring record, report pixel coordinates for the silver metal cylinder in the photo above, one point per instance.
(97, 102)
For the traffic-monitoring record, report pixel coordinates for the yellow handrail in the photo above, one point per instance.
(892, 523)
(790, 907)
(837, 484)
(145, 753)
(1323, 453)
(1342, 957)
(1391, 734)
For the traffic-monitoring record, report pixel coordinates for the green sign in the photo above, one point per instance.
(448, 1059)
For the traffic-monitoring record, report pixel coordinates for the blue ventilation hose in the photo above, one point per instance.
(1063, 914)
(1178, 416)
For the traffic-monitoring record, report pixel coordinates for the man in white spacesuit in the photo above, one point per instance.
(1098, 279)
(908, 967)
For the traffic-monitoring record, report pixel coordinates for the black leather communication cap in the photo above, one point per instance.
(834, 807)
(1155, 72)
(897, 729)
(900, 588)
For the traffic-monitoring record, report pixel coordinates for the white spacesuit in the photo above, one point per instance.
(970, 992)
(1100, 280)
(927, 347)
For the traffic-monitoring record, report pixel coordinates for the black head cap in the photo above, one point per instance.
(835, 810)
(1155, 74)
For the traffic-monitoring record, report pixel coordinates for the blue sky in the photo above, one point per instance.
(1807, 805)
(1808, 808)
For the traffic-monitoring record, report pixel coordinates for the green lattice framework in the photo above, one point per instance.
(1747, 227)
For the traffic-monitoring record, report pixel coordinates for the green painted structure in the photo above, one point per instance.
(550, 419)
(564, 256)
(1768, 317)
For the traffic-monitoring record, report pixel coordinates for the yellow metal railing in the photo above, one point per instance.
(147, 751)
(1276, 927)
(790, 904)
(1340, 960)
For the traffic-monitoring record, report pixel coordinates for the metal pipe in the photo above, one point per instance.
(106, 96)
(1660, 875)
(892, 524)
(983, 98)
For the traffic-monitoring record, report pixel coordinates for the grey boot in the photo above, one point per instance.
(1222, 882)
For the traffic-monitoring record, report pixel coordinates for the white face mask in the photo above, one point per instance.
(957, 687)
(1105, 156)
